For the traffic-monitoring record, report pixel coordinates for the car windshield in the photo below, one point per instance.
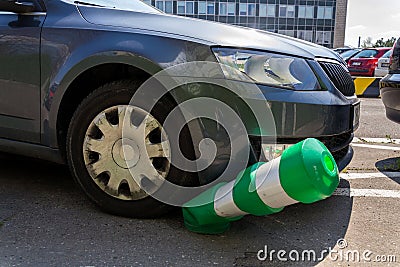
(387, 54)
(367, 53)
(131, 5)
(349, 53)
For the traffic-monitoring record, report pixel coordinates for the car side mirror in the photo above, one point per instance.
(16, 6)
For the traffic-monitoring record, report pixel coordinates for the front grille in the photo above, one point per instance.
(340, 77)
(338, 144)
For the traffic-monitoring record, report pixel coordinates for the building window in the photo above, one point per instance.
(319, 37)
(290, 11)
(247, 9)
(189, 8)
(328, 12)
(325, 12)
(168, 7)
(223, 9)
(270, 10)
(267, 10)
(323, 37)
(160, 5)
(263, 10)
(231, 9)
(305, 35)
(185, 7)
(306, 12)
(287, 32)
(210, 8)
(181, 7)
(227, 9)
(282, 11)
(147, 2)
(165, 6)
(251, 9)
(202, 8)
(320, 12)
(286, 11)
(327, 37)
(242, 9)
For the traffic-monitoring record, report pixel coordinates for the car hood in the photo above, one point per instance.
(212, 33)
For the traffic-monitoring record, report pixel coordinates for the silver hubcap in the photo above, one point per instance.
(126, 166)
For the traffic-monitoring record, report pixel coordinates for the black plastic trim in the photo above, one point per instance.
(31, 150)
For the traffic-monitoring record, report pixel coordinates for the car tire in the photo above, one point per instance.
(98, 169)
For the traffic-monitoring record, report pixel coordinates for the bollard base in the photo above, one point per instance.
(306, 173)
(209, 229)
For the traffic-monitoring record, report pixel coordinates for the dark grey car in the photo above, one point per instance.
(390, 85)
(69, 69)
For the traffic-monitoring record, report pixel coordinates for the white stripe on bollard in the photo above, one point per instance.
(224, 205)
(269, 187)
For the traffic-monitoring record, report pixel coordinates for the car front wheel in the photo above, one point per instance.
(113, 168)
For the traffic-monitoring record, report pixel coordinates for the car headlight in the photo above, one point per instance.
(267, 68)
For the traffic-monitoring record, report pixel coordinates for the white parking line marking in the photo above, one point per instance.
(369, 175)
(350, 192)
(376, 140)
(393, 148)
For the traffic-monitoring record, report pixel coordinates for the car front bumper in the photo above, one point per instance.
(327, 116)
(390, 93)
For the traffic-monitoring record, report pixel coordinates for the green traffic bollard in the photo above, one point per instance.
(306, 173)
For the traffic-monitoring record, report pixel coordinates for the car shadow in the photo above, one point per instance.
(40, 204)
(389, 165)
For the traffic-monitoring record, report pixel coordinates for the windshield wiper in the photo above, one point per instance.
(86, 4)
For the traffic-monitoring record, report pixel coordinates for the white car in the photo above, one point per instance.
(383, 65)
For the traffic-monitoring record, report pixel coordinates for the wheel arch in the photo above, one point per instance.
(80, 81)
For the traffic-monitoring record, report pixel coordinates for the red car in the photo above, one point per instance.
(365, 62)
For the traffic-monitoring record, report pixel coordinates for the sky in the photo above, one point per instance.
(372, 18)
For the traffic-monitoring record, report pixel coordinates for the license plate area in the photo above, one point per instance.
(356, 64)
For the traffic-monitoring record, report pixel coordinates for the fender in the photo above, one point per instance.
(56, 90)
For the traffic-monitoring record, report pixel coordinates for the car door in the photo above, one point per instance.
(20, 73)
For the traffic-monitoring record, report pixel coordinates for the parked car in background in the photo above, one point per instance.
(383, 65)
(70, 68)
(365, 62)
(346, 55)
(390, 85)
(342, 49)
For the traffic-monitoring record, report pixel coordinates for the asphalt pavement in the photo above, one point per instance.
(45, 220)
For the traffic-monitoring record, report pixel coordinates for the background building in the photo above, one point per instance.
(318, 21)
